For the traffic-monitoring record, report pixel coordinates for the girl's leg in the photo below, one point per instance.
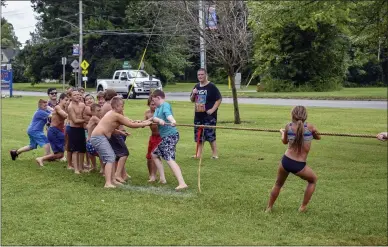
(307, 174)
(281, 178)
(178, 174)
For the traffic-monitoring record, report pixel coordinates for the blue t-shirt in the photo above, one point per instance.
(162, 112)
(38, 121)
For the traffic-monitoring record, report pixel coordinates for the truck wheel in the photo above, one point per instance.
(132, 94)
(100, 88)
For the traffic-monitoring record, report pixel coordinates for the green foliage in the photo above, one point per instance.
(301, 45)
(8, 37)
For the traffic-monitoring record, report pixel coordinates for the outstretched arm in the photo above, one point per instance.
(131, 124)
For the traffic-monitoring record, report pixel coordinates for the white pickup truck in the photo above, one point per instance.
(123, 80)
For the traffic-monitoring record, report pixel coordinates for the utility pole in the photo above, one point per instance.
(202, 48)
(80, 45)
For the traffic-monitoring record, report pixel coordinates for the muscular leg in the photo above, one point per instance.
(281, 178)
(307, 174)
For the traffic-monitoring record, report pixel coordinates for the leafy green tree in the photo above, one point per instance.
(8, 37)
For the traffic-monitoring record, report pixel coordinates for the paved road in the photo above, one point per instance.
(260, 101)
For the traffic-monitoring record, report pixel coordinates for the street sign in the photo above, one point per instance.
(75, 70)
(84, 72)
(126, 65)
(75, 49)
(84, 78)
(75, 64)
(64, 60)
(84, 64)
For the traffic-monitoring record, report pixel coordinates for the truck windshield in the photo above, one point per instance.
(137, 74)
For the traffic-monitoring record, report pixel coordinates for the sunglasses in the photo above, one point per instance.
(54, 93)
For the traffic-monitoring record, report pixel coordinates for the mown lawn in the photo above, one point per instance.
(52, 206)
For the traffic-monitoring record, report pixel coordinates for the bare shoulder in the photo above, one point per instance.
(148, 113)
(311, 126)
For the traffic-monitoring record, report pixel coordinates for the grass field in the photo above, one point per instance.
(343, 94)
(52, 206)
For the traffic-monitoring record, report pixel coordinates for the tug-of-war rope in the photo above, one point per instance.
(201, 127)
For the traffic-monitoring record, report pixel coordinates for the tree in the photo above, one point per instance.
(8, 37)
(227, 41)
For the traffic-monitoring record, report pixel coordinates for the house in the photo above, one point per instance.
(8, 54)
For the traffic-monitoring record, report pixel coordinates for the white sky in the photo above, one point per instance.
(21, 15)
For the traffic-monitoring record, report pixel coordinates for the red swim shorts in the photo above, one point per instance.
(153, 144)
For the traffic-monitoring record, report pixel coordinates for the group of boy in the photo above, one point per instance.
(103, 124)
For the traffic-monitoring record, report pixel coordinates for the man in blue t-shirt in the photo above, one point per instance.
(35, 131)
(207, 99)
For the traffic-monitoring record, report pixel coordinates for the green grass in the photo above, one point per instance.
(52, 206)
(371, 93)
(42, 87)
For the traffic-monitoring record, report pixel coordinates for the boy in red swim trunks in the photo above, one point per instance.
(153, 142)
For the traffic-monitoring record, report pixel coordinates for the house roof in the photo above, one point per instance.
(10, 53)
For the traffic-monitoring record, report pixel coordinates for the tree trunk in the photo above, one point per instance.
(235, 101)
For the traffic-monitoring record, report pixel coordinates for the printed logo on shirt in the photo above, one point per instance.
(200, 101)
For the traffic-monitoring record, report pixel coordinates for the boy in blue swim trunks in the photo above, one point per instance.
(170, 137)
(35, 131)
(93, 121)
(55, 133)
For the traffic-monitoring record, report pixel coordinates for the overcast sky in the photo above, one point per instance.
(22, 17)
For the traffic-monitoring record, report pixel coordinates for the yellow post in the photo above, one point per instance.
(229, 83)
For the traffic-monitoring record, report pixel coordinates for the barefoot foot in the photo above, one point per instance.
(120, 180)
(109, 186)
(302, 209)
(162, 181)
(39, 161)
(268, 210)
(181, 187)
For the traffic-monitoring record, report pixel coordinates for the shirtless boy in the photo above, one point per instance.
(117, 140)
(104, 130)
(153, 142)
(77, 140)
(93, 121)
(55, 133)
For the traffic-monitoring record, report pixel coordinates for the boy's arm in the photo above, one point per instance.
(61, 112)
(129, 123)
(73, 116)
(172, 120)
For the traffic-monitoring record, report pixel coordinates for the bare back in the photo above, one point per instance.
(306, 146)
(154, 128)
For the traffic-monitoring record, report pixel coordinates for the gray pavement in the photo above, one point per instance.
(184, 96)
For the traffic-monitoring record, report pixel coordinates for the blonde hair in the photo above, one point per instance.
(299, 116)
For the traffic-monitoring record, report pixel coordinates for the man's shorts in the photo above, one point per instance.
(57, 139)
(152, 144)
(166, 149)
(104, 149)
(207, 134)
(90, 149)
(77, 141)
(37, 138)
(118, 145)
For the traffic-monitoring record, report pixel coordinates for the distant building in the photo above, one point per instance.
(8, 54)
